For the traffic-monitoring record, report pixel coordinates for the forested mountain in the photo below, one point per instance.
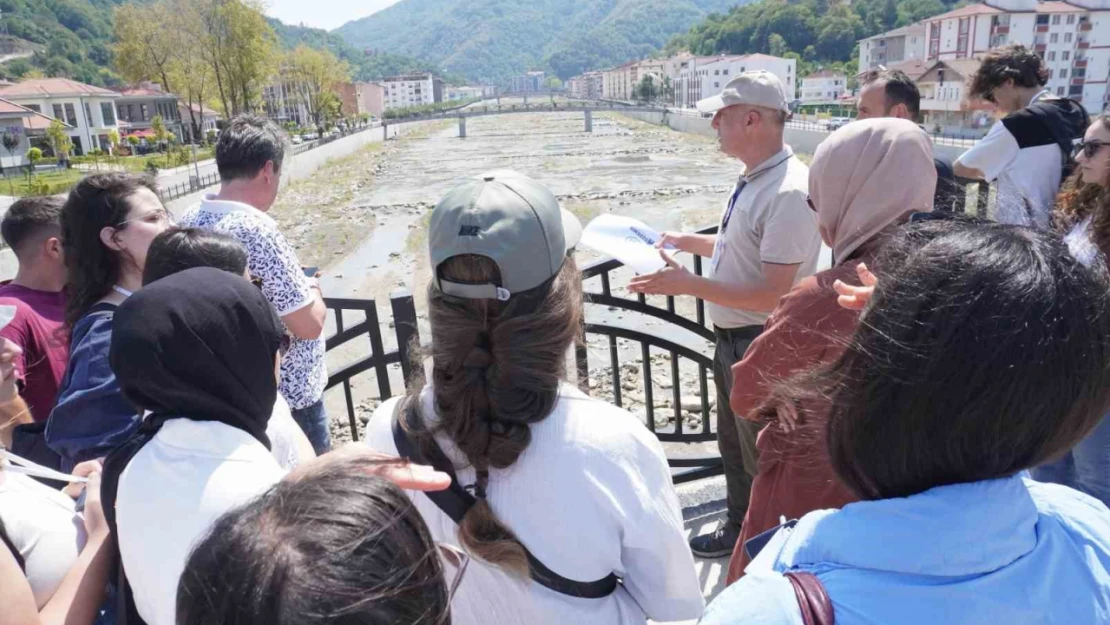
(71, 38)
(817, 32)
(489, 40)
(365, 65)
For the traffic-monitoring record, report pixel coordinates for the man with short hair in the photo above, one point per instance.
(32, 229)
(249, 156)
(891, 93)
(767, 241)
(1029, 151)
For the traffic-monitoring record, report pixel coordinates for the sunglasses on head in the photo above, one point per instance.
(1089, 148)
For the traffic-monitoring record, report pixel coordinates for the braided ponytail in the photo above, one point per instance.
(497, 367)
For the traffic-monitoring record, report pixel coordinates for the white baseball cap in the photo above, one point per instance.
(756, 88)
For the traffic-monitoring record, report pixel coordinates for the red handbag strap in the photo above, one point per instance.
(812, 599)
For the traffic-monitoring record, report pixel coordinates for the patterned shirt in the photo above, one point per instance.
(271, 259)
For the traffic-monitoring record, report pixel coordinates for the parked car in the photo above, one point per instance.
(836, 123)
(297, 140)
(310, 136)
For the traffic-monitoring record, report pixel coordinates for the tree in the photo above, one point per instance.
(317, 76)
(34, 155)
(552, 83)
(777, 45)
(146, 42)
(58, 138)
(133, 141)
(233, 38)
(646, 90)
(158, 125)
(113, 141)
(11, 141)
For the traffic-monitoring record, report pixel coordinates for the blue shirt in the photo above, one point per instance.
(997, 552)
(91, 416)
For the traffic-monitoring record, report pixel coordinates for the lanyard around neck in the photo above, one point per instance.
(14, 464)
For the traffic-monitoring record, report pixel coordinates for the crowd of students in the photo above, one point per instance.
(915, 434)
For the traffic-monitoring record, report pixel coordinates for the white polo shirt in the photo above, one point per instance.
(766, 220)
(176, 486)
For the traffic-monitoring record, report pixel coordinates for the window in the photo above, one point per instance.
(716, 72)
(1055, 20)
(1054, 38)
(1063, 73)
(1075, 90)
(716, 85)
(71, 115)
(1059, 91)
(1042, 19)
(58, 114)
(1052, 56)
(1079, 72)
(1065, 55)
(1067, 37)
(88, 115)
(35, 107)
(144, 113)
(108, 112)
(724, 72)
(1071, 19)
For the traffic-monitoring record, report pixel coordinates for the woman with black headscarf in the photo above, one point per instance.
(198, 352)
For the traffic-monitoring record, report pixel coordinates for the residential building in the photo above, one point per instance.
(28, 126)
(702, 77)
(531, 82)
(465, 93)
(586, 86)
(408, 90)
(137, 107)
(362, 97)
(1073, 38)
(439, 92)
(896, 46)
(286, 101)
(88, 111)
(944, 102)
(823, 86)
(204, 117)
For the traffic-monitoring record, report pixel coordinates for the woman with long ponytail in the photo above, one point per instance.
(558, 495)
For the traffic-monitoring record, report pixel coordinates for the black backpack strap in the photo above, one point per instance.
(1053, 119)
(456, 501)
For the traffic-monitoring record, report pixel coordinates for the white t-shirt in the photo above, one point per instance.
(283, 432)
(769, 222)
(1020, 153)
(591, 495)
(171, 492)
(43, 526)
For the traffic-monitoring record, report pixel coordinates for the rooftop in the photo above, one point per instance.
(968, 11)
(911, 30)
(963, 67)
(134, 92)
(54, 88)
(824, 73)
(1058, 7)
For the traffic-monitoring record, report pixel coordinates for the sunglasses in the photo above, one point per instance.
(286, 340)
(1089, 148)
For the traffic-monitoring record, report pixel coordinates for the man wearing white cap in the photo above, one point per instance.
(767, 241)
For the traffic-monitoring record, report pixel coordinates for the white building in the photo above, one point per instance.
(90, 112)
(586, 86)
(895, 46)
(702, 77)
(409, 90)
(1073, 38)
(823, 86)
(287, 101)
(944, 102)
(465, 93)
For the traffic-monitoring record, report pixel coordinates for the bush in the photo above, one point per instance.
(151, 169)
(34, 155)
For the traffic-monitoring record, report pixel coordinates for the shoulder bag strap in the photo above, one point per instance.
(813, 601)
(456, 501)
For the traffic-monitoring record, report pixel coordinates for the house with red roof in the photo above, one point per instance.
(88, 112)
(26, 125)
(137, 106)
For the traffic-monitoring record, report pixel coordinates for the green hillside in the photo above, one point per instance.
(71, 38)
(489, 40)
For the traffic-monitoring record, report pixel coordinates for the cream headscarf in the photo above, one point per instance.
(869, 175)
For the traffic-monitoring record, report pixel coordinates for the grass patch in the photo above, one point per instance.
(48, 183)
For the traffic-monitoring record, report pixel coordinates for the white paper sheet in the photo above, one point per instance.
(629, 240)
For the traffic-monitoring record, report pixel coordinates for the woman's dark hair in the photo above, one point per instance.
(99, 201)
(330, 544)
(497, 367)
(178, 249)
(1081, 198)
(1013, 62)
(985, 351)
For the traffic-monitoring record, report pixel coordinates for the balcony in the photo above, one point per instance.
(1086, 27)
(1040, 47)
(1042, 28)
(1083, 45)
(1000, 30)
(1079, 63)
(1078, 81)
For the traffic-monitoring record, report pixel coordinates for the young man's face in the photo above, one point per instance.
(872, 103)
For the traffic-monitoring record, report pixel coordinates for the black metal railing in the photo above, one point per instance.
(598, 281)
(194, 184)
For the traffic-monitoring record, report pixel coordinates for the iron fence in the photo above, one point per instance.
(194, 184)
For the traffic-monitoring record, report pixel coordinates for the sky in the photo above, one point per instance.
(327, 14)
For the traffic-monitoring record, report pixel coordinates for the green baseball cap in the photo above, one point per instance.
(509, 218)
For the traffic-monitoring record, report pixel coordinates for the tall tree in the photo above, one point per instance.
(240, 46)
(146, 42)
(315, 74)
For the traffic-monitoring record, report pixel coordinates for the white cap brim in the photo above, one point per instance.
(711, 105)
(572, 229)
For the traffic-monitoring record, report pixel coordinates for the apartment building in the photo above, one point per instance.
(286, 101)
(89, 112)
(137, 107)
(823, 86)
(702, 77)
(895, 46)
(362, 97)
(1073, 38)
(944, 102)
(585, 86)
(408, 90)
(530, 82)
